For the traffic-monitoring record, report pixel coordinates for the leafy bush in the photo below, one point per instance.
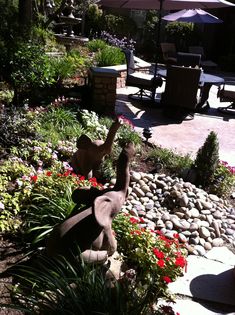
(120, 25)
(96, 44)
(30, 68)
(180, 33)
(110, 56)
(151, 256)
(58, 287)
(59, 124)
(224, 180)
(16, 125)
(6, 96)
(207, 160)
(170, 161)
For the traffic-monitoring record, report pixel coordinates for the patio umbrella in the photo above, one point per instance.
(193, 16)
(165, 4)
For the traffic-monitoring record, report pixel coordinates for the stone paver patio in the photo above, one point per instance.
(208, 286)
(187, 136)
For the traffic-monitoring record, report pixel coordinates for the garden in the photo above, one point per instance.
(44, 109)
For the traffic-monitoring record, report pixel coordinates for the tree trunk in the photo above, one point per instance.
(25, 13)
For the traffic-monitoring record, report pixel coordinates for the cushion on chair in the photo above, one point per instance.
(227, 94)
(143, 80)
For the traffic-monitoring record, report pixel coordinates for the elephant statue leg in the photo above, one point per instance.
(94, 256)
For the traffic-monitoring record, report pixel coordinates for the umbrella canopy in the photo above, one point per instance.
(193, 16)
(165, 4)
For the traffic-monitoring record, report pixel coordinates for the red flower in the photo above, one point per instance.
(176, 235)
(92, 180)
(161, 263)
(158, 254)
(67, 173)
(180, 261)
(134, 220)
(48, 173)
(125, 120)
(34, 178)
(166, 279)
(82, 177)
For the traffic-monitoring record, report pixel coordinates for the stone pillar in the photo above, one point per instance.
(102, 84)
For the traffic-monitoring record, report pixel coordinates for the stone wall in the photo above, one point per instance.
(103, 84)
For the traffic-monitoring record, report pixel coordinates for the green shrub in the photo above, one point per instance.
(6, 96)
(170, 161)
(58, 287)
(110, 56)
(180, 33)
(16, 125)
(224, 180)
(207, 160)
(59, 124)
(96, 44)
(30, 68)
(122, 26)
(152, 257)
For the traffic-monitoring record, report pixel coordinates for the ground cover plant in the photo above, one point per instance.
(36, 183)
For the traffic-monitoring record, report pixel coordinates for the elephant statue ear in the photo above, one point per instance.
(103, 210)
(84, 142)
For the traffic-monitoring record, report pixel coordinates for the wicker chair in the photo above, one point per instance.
(226, 93)
(146, 82)
(188, 59)
(205, 63)
(169, 53)
(180, 97)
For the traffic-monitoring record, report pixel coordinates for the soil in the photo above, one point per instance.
(11, 251)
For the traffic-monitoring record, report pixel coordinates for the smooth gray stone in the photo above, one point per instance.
(206, 279)
(221, 254)
(189, 307)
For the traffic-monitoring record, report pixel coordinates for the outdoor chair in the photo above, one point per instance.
(205, 63)
(226, 93)
(188, 59)
(180, 98)
(169, 53)
(147, 83)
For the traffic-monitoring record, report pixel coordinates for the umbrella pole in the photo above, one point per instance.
(158, 37)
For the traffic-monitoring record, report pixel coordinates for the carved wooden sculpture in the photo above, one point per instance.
(91, 229)
(87, 159)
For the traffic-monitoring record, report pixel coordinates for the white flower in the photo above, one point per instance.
(19, 182)
(2, 207)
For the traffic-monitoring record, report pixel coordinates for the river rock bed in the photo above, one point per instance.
(172, 206)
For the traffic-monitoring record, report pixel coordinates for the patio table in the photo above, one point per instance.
(205, 83)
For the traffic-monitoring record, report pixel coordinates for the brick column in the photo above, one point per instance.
(102, 84)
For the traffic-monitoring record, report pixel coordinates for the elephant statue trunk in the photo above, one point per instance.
(106, 147)
(87, 159)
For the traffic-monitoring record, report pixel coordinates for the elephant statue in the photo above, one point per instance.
(91, 229)
(90, 154)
